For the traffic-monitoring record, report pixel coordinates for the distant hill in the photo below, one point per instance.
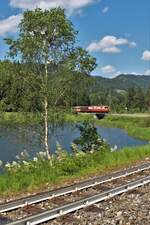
(121, 82)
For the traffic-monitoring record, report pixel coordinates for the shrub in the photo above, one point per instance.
(89, 139)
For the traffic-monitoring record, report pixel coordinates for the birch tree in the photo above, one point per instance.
(46, 40)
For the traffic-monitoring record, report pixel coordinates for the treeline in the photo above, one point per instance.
(21, 90)
(134, 99)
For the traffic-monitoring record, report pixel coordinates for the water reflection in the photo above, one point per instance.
(14, 141)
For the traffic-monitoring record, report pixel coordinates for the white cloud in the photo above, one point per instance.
(10, 24)
(112, 49)
(146, 55)
(70, 5)
(109, 44)
(108, 69)
(105, 10)
(133, 73)
(147, 72)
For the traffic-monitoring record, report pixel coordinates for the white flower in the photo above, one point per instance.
(104, 140)
(17, 157)
(114, 148)
(25, 163)
(8, 165)
(14, 163)
(22, 153)
(1, 163)
(18, 165)
(40, 153)
(35, 159)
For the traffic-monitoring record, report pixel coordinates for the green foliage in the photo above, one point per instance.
(22, 90)
(19, 87)
(81, 60)
(43, 33)
(89, 139)
(52, 67)
(147, 98)
(136, 100)
(37, 174)
(71, 86)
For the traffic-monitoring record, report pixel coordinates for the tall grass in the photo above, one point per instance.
(40, 174)
(12, 118)
(25, 118)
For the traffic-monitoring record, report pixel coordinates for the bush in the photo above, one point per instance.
(89, 139)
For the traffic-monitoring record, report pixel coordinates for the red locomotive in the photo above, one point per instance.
(92, 109)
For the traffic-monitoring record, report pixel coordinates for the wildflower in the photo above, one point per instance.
(60, 153)
(14, 163)
(74, 148)
(18, 157)
(114, 148)
(93, 147)
(7, 165)
(35, 159)
(25, 163)
(41, 153)
(1, 163)
(22, 153)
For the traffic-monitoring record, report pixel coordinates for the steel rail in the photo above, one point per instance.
(70, 189)
(63, 210)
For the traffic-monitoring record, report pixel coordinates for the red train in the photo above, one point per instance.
(92, 109)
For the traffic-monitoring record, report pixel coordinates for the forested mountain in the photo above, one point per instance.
(121, 82)
(124, 92)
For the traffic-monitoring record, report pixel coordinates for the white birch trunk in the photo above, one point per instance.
(46, 115)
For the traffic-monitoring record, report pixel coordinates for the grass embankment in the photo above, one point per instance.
(138, 127)
(38, 175)
(12, 118)
(35, 118)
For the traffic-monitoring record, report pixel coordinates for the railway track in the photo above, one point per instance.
(46, 206)
(68, 208)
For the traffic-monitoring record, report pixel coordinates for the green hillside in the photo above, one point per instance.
(122, 82)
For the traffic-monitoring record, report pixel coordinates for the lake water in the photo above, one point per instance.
(14, 141)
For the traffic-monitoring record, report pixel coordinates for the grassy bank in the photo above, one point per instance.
(19, 118)
(38, 175)
(138, 127)
(34, 118)
(27, 118)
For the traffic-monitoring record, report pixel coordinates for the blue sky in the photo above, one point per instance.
(116, 32)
